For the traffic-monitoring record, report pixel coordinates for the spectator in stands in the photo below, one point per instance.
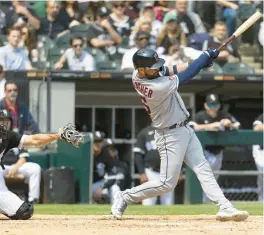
(181, 56)
(258, 155)
(23, 121)
(121, 23)
(147, 160)
(132, 9)
(77, 59)
(214, 119)
(147, 13)
(160, 8)
(229, 12)
(2, 82)
(70, 12)
(4, 23)
(229, 54)
(90, 9)
(144, 25)
(141, 42)
(20, 15)
(29, 42)
(207, 11)
(189, 22)
(12, 57)
(102, 34)
(16, 162)
(52, 25)
(103, 188)
(171, 34)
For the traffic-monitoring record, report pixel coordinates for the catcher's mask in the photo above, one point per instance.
(5, 120)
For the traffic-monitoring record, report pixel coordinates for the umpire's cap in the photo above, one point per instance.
(147, 58)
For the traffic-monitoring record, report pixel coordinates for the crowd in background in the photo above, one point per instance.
(80, 35)
(96, 35)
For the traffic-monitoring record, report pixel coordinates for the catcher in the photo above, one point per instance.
(10, 204)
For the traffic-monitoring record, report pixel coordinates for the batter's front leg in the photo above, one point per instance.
(195, 159)
(172, 146)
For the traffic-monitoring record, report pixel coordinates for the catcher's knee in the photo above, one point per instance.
(24, 212)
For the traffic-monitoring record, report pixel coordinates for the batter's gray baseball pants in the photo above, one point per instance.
(175, 146)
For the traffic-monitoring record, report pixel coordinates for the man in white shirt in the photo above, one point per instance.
(141, 41)
(77, 59)
(12, 57)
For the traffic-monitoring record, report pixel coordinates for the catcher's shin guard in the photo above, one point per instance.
(24, 212)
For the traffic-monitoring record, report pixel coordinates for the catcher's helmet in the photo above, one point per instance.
(147, 58)
(4, 114)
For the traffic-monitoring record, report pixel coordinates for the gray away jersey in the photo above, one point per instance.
(161, 99)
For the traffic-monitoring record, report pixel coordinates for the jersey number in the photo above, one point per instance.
(144, 102)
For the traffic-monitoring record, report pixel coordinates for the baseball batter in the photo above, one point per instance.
(10, 204)
(176, 141)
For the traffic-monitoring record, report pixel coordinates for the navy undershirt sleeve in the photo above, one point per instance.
(193, 69)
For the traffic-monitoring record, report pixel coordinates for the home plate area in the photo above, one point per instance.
(140, 225)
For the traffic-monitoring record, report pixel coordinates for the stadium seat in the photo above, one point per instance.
(3, 39)
(39, 64)
(216, 68)
(98, 55)
(237, 67)
(63, 41)
(54, 56)
(108, 66)
(80, 29)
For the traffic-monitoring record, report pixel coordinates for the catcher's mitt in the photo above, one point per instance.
(69, 133)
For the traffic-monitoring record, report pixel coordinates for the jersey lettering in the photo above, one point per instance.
(143, 89)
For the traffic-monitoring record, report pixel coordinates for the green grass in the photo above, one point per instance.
(254, 208)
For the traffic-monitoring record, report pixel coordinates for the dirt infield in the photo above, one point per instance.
(130, 225)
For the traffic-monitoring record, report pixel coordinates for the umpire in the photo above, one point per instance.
(147, 161)
(214, 119)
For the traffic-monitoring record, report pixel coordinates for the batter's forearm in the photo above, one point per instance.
(40, 139)
(194, 68)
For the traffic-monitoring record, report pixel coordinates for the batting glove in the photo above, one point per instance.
(212, 53)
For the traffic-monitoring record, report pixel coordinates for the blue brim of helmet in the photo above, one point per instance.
(158, 64)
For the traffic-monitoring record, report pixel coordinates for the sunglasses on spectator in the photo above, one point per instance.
(9, 90)
(119, 5)
(213, 105)
(77, 45)
(142, 38)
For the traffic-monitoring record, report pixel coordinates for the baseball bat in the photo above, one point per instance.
(242, 28)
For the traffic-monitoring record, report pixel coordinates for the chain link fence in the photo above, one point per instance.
(239, 177)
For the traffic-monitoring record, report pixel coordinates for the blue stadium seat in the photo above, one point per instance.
(237, 67)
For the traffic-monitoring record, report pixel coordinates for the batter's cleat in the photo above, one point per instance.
(231, 213)
(119, 206)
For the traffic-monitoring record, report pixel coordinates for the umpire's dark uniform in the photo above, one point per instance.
(147, 161)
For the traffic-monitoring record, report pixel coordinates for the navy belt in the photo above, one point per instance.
(179, 124)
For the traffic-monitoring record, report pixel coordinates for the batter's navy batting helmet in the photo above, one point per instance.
(147, 58)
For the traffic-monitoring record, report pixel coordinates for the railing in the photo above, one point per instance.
(193, 191)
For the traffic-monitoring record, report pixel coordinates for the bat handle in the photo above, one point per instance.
(226, 42)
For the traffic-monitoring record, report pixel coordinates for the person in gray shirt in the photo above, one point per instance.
(77, 59)
(13, 57)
